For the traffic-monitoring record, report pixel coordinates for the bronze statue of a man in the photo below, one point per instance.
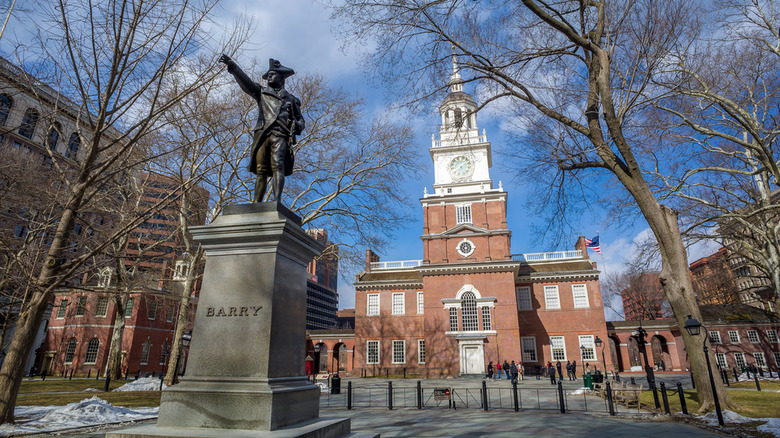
(278, 122)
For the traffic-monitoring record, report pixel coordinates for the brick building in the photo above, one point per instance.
(81, 324)
(322, 298)
(469, 300)
(644, 298)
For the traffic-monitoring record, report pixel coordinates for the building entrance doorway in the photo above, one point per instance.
(472, 356)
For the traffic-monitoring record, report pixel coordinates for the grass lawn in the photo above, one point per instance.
(139, 399)
(78, 385)
(765, 385)
(753, 404)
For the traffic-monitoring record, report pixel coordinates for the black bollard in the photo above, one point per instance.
(610, 403)
(161, 381)
(664, 397)
(404, 372)
(560, 397)
(126, 373)
(736, 376)
(761, 372)
(419, 395)
(89, 374)
(484, 396)
(617, 377)
(655, 394)
(755, 377)
(515, 398)
(390, 395)
(71, 375)
(43, 375)
(349, 395)
(693, 382)
(633, 382)
(387, 373)
(108, 381)
(682, 398)
(138, 374)
(747, 371)
(726, 378)
(153, 374)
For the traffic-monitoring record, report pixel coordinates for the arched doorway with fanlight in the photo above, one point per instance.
(339, 359)
(660, 351)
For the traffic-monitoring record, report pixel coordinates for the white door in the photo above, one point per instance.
(473, 360)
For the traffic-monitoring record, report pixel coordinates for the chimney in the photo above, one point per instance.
(580, 245)
(371, 257)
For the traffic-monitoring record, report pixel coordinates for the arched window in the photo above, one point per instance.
(92, 351)
(70, 350)
(468, 312)
(145, 352)
(164, 351)
(29, 122)
(54, 136)
(74, 142)
(6, 102)
(458, 118)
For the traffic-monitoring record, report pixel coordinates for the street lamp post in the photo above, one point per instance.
(694, 328)
(641, 334)
(599, 344)
(185, 342)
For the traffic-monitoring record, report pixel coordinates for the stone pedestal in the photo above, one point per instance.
(246, 366)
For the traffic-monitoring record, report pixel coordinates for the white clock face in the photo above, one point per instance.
(461, 167)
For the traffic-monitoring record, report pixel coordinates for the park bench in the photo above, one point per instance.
(628, 395)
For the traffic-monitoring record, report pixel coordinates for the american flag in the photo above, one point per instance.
(593, 244)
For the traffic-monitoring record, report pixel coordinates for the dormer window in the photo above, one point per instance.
(458, 118)
(181, 270)
(104, 278)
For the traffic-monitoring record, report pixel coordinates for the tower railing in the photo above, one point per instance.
(547, 256)
(398, 264)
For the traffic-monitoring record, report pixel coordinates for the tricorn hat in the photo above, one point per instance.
(275, 65)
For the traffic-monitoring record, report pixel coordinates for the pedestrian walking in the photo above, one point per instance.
(490, 370)
(506, 369)
(513, 371)
(574, 369)
(538, 371)
(560, 369)
(498, 367)
(551, 372)
(568, 369)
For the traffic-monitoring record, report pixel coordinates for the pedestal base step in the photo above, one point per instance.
(319, 428)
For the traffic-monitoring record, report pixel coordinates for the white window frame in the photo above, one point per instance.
(552, 298)
(95, 352)
(524, 301)
(399, 343)
(753, 337)
(469, 313)
(528, 347)
(771, 335)
(145, 350)
(372, 309)
(81, 306)
(62, 310)
(463, 214)
(579, 292)
(561, 348)
(375, 344)
(421, 351)
(101, 311)
(70, 350)
(739, 358)
(152, 311)
(777, 358)
(734, 336)
(587, 342)
(760, 359)
(453, 319)
(420, 303)
(715, 337)
(398, 305)
(720, 359)
(487, 324)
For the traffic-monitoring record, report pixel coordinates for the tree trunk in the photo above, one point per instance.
(115, 353)
(183, 320)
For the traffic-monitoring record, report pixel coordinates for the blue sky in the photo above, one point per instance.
(300, 34)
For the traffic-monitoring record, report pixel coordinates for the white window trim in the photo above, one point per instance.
(522, 348)
(718, 357)
(421, 348)
(368, 305)
(403, 350)
(420, 303)
(736, 361)
(771, 335)
(460, 213)
(717, 335)
(574, 288)
(378, 352)
(552, 349)
(589, 339)
(736, 332)
(550, 288)
(756, 355)
(403, 304)
(755, 332)
(520, 291)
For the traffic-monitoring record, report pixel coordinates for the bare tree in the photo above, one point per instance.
(114, 61)
(581, 67)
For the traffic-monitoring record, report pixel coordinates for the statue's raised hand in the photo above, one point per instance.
(225, 59)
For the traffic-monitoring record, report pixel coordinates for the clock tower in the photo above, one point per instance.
(465, 216)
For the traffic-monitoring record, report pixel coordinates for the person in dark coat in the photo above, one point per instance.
(574, 369)
(560, 369)
(551, 372)
(538, 371)
(490, 370)
(279, 121)
(506, 369)
(513, 371)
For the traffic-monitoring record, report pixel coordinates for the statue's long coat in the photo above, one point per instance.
(270, 103)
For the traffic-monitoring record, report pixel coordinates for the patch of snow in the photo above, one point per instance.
(142, 384)
(744, 378)
(323, 387)
(711, 418)
(772, 426)
(93, 390)
(580, 391)
(88, 412)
